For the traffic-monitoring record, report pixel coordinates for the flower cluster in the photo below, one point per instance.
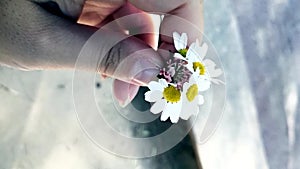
(177, 93)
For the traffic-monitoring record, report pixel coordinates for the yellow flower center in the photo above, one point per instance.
(183, 52)
(171, 94)
(192, 92)
(200, 66)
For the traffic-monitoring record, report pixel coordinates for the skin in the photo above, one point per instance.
(34, 37)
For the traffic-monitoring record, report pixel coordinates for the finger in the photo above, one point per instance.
(125, 58)
(187, 18)
(162, 6)
(95, 12)
(140, 25)
(180, 16)
(124, 92)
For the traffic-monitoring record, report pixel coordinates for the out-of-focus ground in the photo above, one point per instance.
(258, 43)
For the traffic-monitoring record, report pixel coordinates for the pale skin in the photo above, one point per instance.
(33, 38)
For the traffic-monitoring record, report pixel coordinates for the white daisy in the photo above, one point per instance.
(180, 43)
(200, 52)
(191, 99)
(213, 71)
(197, 52)
(167, 100)
(195, 55)
(194, 58)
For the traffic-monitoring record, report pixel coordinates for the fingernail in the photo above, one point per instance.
(124, 103)
(132, 91)
(144, 77)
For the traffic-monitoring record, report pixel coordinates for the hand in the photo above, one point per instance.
(96, 13)
(45, 35)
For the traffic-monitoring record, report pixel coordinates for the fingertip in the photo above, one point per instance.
(145, 77)
(124, 92)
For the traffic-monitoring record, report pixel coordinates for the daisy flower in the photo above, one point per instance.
(167, 100)
(177, 92)
(180, 43)
(194, 56)
(191, 99)
(200, 51)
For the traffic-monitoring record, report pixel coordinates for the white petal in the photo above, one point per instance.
(209, 63)
(172, 111)
(210, 66)
(175, 117)
(215, 73)
(217, 81)
(153, 85)
(200, 100)
(163, 82)
(158, 106)
(189, 108)
(147, 96)
(189, 66)
(203, 84)
(197, 52)
(176, 107)
(185, 87)
(203, 51)
(153, 96)
(193, 80)
(192, 54)
(196, 74)
(193, 110)
(176, 39)
(165, 115)
(183, 40)
(179, 56)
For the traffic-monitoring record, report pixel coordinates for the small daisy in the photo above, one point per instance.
(213, 72)
(177, 92)
(191, 99)
(200, 51)
(167, 100)
(197, 52)
(180, 43)
(194, 57)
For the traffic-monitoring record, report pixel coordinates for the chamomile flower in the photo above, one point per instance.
(167, 100)
(213, 71)
(199, 52)
(195, 64)
(180, 43)
(184, 77)
(195, 56)
(191, 99)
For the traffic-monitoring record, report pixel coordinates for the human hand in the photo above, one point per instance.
(97, 13)
(42, 34)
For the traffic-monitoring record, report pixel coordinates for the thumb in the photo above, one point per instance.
(131, 61)
(124, 92)
(138, 68)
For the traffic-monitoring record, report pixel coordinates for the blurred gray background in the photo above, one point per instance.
(258, 42)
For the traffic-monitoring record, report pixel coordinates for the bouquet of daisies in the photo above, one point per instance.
(178, 91)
